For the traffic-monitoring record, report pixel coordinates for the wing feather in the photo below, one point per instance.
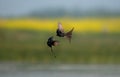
(60, 27)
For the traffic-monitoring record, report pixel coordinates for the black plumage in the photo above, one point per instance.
(51, 42)
(60, 32)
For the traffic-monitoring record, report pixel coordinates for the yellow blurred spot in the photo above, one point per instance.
(80, 25)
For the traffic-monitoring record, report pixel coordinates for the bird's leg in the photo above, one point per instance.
(53, 52)
(69, 40)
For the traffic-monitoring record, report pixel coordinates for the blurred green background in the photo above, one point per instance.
(25, 27)
(30, 46)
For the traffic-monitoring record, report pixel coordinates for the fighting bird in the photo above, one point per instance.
(51, 42)
(60, 32)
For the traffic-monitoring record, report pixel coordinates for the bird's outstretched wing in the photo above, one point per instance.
(69, 34)
(60, 27)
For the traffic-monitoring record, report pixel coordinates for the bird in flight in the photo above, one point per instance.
(51, 42)
(60, 32)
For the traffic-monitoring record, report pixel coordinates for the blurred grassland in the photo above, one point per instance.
(94, 41)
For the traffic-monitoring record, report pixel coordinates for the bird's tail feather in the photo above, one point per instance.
(69, 34)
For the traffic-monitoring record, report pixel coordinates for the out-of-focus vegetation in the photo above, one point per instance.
(94, 41)
(111, 25)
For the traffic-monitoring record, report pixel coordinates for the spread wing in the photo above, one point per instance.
(60, 27)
